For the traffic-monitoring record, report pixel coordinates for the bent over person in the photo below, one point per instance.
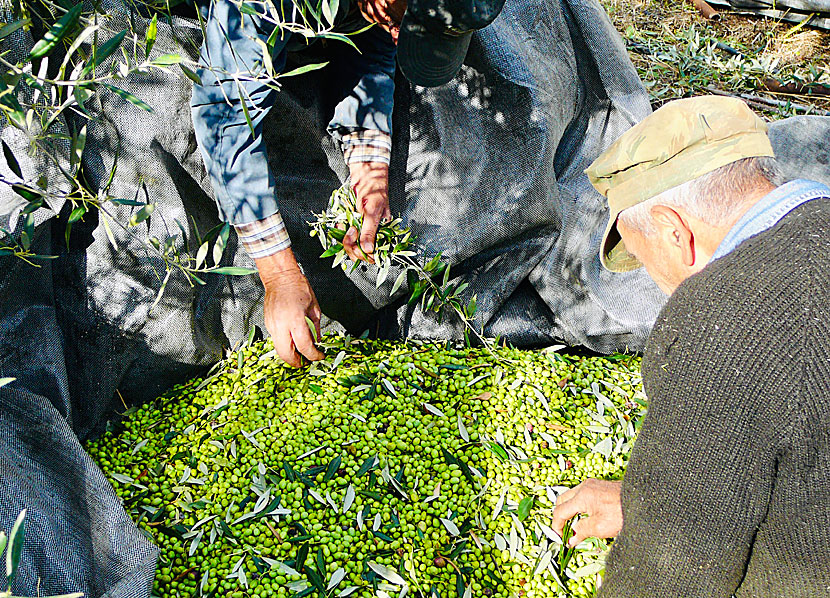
(228, 112)
(246, 46)
(728, 488)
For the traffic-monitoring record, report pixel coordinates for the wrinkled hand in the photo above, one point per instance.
(370, 181)
(600, 501)
(388, 14)
(289, 299)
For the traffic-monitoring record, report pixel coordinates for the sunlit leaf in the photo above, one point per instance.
(334, 249)
(303, 69)
(57, 32)
(77, 149)
(387, 573)
(142, 214)
(348, 499)
(150, 35)
(108, 230)
(201, 254)
(327, 13)
(586, 570)
(462, 430)
(233, 270)
(433, 409)
(451, 527)
(167, 60)
(544, 562)
(525, 505)
(336, 578)
(312, 328)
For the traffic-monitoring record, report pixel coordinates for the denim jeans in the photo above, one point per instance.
(231, 70)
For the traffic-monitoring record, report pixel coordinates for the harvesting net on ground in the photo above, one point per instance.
(388, 468)
(487, 170)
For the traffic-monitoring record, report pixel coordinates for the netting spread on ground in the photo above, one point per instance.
(386, 466)
(487, 169)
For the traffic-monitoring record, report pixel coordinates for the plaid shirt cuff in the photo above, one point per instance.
(368, 145)
(264, 237)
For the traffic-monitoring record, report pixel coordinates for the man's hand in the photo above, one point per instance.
(289, 300)
(370, 181)
(388, 14)
(600, 501)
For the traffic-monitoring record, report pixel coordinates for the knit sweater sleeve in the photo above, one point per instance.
(703, 469)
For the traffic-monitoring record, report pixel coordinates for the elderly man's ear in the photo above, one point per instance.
(676, 232)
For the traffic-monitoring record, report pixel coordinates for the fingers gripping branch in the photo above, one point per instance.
(600, 501)
(370, 181)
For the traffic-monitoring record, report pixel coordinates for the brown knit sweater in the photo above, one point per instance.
(728, 488)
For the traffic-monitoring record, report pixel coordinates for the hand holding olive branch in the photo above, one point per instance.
(428, 283)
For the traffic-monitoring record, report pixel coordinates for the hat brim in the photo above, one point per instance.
(430, 59)
(613, 255)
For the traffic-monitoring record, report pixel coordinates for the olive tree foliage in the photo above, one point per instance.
(75, 55)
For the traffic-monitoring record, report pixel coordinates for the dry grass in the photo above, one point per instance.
(784, 67)
(803, 45)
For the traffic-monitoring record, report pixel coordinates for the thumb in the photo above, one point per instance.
(368, 232)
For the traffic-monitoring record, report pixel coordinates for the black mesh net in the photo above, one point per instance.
(487, 169)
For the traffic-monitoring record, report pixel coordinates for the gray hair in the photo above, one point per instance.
(715, 198)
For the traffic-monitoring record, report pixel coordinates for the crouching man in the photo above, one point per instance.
(728, 488)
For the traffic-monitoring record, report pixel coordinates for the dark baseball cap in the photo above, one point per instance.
(435, 36)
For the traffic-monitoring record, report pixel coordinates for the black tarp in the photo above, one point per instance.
(487, 169)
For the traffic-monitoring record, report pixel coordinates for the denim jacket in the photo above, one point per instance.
(235, 156)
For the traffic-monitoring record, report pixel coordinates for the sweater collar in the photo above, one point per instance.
(769, 211)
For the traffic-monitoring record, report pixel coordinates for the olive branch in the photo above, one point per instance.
(428, 283)
(81, 55)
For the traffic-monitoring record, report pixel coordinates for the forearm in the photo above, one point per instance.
(273, 266)
(695, 491)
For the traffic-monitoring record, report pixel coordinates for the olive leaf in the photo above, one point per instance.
(150, 35)
(428, 282)
(451, 527)
(387, 573)
(58, 31)
(525, 505)
(312, 328)
(15, 546)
